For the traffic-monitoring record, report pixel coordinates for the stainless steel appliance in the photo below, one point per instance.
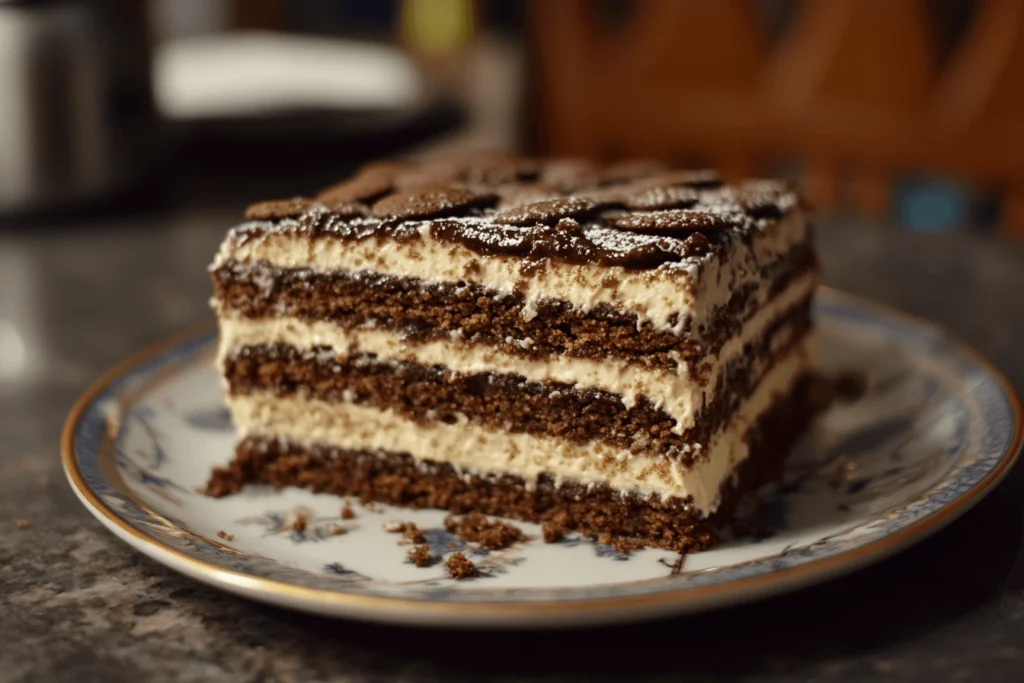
(76, 112)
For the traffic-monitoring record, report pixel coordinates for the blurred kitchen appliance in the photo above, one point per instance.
(77, 119)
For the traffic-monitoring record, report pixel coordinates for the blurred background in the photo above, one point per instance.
(908, 113)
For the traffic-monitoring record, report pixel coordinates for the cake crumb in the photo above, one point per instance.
(409, 531)
(225, 535)
(491, 534)
(552, 532)
(420, 556)
(622, 544)
(347, 512)
(460, 567)
(337, 530)
(300, 523)
(24, 524)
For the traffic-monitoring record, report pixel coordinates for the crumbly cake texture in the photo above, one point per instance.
(460, 567)
(616, 350)
(491, 534)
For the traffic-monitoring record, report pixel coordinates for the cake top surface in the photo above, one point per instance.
(637, 214)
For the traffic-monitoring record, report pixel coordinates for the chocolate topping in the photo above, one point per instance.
(563, 242)
(365, 187)
(661, 198)
(519, 194)
(570, 174)
(389, 168)
(430, 173)
(636, 215)
(758, 198)
(346, 209)
(631, 170)
(279, 208)
(498, 169)
(478, 169)
(547, 212)
(644, 196)
(677, 221)
(698, 179)
(429, 202)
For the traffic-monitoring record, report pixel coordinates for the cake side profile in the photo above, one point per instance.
(617, 350)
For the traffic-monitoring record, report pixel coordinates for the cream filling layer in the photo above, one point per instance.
(473, 448)
(690, 290)
(673, 391)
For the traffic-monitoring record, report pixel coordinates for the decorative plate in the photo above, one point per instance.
(936, 429)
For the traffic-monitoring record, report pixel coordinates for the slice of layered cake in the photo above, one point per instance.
(616, 350)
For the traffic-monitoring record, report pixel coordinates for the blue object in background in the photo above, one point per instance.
(933, 205)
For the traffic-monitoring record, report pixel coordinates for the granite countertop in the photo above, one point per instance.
(78, 604)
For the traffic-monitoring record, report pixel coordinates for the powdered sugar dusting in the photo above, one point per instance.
(640, 221)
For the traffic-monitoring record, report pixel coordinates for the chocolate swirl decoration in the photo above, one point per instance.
(637, 214)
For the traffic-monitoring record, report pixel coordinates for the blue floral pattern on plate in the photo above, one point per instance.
(936, 428)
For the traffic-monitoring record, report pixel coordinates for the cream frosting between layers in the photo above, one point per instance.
(674, 392)
(674, 296)
(476, 449)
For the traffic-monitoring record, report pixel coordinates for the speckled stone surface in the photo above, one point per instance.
(77, 604)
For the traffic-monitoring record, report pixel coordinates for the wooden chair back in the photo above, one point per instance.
(855, 89)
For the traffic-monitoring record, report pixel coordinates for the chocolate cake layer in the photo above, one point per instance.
(399, 479)
(510, 402)
(426, 311)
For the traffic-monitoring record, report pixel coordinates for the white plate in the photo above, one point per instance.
(937, 430)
